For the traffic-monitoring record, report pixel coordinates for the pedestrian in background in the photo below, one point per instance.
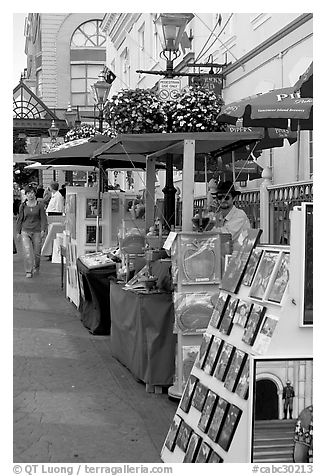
(288, 394)
(16, 198)
(31, 227)
(56, 203)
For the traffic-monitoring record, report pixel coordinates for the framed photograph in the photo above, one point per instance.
(203, 453)
(91, 207)
(172, 433)
(223, 362)
(192, 449)
(207, 411)
(189, 355)
(229, 427)
(219, 302)
(183, 436)
(242, 389)
(242, 313)
(253, 324)
(204, 349)
(214, 458)
(226, 323)
(265, 334)
(213, 355)
(70, 210)
(200, 258)
(271, 407)
(188, 393)
(263, 274)
(252, 266)
(307, 311)
(91, 234)
(199, 397)
(237, 363)
(192, 312)
(232, 277)
(280, 280)
(218, 419)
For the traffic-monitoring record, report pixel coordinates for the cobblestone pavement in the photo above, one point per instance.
(72, 401)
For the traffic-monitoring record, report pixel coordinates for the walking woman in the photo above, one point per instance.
(31, 226)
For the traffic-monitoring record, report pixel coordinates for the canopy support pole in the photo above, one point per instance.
(149, 193)
(99, 208)
(298, 152)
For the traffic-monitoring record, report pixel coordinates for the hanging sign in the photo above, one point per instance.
(168, 89)
(208, 81)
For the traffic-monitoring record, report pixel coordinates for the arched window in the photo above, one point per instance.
(87, 57)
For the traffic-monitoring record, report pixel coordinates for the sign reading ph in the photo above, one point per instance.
(168, 89)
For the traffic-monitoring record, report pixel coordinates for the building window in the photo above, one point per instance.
(82, 77)
(88, 35)
(311, 156)
(87, 58)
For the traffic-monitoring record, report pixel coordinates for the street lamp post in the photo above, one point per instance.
(101, 91)
(171, 32)
(53, 133)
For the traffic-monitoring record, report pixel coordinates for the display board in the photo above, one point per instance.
(253, 317)
(198, 261)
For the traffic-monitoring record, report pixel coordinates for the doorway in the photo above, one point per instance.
(266, 400)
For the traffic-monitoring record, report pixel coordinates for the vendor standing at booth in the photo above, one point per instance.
(56, 203)
(228, 218)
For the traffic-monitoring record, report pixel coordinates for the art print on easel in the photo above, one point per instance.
(264, 337)
(189, 355)
(232, 277)
(217, 419)
(188, 393)
(237, 363)
(192, 449)
(281, 280)
(252, 266)
(213, 355)
(91, 234)
(242, 388)
(223, 361)
(229, 427)
(203, 350)
(226, 323)
(199, 396)
(92, 208)
(263, 274)
(242, 312)
(203, 453)
(254, 322)
(207, 411)
(183, 436)
(219, 302)
(172, 433)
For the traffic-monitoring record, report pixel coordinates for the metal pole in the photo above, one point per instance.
(298, 152)
(99, 189)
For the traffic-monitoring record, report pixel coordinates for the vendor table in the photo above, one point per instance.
(94, 304)
(142, 336)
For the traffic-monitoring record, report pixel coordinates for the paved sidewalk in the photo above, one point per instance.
(72, 401)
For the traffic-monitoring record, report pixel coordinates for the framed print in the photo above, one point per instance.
(269, 409)
(207, 412)
(233, 274)
(172, 433)
(214, 458)
(218, 419)
(226, 323)
(253, 324)
(223, 361)
(91, 208)
(212, 355)
(252, 266)
(71, 214)
(203, 350)
(188, 393)
(242, 313)
(203, 453)
(229, 427)
(91, 234)
(263, 274)
(183, 436)
(307, 292)
(265, 334)
(237, 363)
(219, 302)
(199, 397)
(192, 312)
(243, 384)
(280, 280)
(199, 258)
(192, 449)
(189, 355)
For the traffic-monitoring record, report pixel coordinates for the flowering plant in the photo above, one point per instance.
(135, 112)
(80, 132)
(196, 110)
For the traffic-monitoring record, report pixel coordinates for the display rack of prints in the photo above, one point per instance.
(218, 398)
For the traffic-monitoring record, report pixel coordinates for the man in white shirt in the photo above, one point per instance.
(229, 218)
(56, 203)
